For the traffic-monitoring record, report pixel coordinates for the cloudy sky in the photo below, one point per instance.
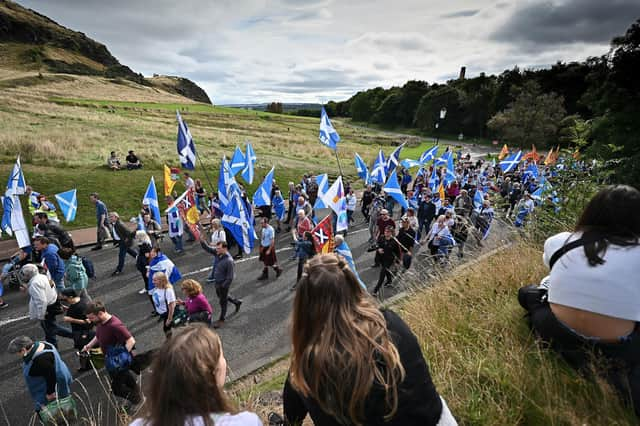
(316, 50)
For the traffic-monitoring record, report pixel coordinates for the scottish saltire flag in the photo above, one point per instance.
(161, 263)
(362, 169)
(428, 155)
(68, 203)
(237, 221)
(531, 171)
(186, 146)
(328, 135)
(378, 173)
(409, 164)
(279, 207)
(511, 162)
(442, 161)
(478, 199)
(450, 173)
(151, 198)
(238, 162)
(16, 184)
(262, 196)
(13, 220)
(394, 159)
(224, 184)
(323, 186)
(342, 220)
(250, 158)
(343, 250)
(433, 180)
(392, 188)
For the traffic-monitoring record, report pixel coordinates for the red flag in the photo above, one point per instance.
(186, 205)
(323, 236)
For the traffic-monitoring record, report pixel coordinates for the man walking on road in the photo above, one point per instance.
(268, 250)
(53, 262)
(125, 238)
(223, 277)
(101, 217)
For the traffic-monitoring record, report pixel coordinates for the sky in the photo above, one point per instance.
(253, 51)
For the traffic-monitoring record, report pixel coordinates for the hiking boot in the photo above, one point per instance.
(238, 304)
(264, 276)
(278, 272)
(218, 324)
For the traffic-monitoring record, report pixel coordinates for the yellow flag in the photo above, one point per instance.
(441, 191)
(168, 183)
(504, 152)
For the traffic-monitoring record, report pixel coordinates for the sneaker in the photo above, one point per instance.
(116, 272)
(293, 287)
(374, 294)
(278, 272)
(4, 305)
(179, 251)
(218, 324)
(238, 304)
(143, 291)
(98, 247)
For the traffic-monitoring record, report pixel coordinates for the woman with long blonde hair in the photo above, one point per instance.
(353, 363)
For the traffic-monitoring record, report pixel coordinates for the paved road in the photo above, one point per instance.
(252, 338)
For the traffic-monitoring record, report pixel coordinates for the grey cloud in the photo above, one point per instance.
(461, 14)
(399, 41)
(586, 21)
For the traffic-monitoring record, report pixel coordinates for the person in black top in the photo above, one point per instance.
(426, 213)
(388, 253)
(54, 232)
(367, 199)
(335, 328)
(133, 162)
(76, 315)
(407, 239)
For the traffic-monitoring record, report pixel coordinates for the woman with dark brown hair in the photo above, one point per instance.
(353, 363)
(186, 384)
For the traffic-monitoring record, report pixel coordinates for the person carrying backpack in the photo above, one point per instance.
(76, 276)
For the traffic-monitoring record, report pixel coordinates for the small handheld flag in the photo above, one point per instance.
(328, 135)
(393, 189)
(186, 146)
(151, 198)
(68, 203)
(362, 169)
(262, 196)
(428, 155)
(323, 186)
(250, 158)
(394, 159)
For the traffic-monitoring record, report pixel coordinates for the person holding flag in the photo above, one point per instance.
(268, 250)
(279, 208)
(389, 254)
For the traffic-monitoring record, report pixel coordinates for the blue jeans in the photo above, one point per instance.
(177, 242)
(213, 267)
(122, 253)
(52, 330)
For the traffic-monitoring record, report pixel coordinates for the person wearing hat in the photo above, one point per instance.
(47, 377)
(132, 161)
(388, 254)
(76, 316)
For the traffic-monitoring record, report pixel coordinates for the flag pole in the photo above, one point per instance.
(338, 160)
(205, 172)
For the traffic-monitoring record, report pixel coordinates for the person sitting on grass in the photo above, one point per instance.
(188, 374)
(589, 302)
(113, 162)
(353, 363)
(132, 161)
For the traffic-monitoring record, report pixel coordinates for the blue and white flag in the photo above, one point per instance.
(478, 199)
(392, 188)
(409, 164)
(140, 223)
(250, 158)
(328, 135)
(236, 219)
(450, 173)
(393, 160)
(511, 162)
(323, 186)
(429, 155)
(344, 251)
(151, 198)
(362, 169)
(262, 196)
(378, 173)
(186, 147)
(531, 171)
(16, 184)
(13, 220)
(68, 203)
(279, 207)
(433, 180)
(238, 162)
(442, 161)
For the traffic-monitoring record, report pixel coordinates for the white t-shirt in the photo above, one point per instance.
(611, 289)
(217, 236)
(162, 297)
(243, 418)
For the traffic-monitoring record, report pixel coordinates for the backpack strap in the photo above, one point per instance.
(564, 249)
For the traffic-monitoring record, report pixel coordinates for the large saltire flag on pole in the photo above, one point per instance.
(186, 205)
(511, 162)
(328, 135)
(392, 188)
(450, 173)
(262, 196)
(442, 161)
(236, 220)
(362, 169)
(12, 218)
(393, 160)
(408, 163)
(238, 161)
(428, 155)
(323, 186)
(378, 173)
(151, 198)
(504, 152)
(186, 146)
(323, 236)
(16, 184)
(335, 199)
(68, 202)
(250, 159)
(226, 184)
(343, 250)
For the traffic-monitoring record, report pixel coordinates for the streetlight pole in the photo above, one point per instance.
(443, 114)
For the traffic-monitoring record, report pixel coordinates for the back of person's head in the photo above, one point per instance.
(65, 253)
(184, 383)
(610, 217)
(341, 345)
(95, 307)
(27, 272)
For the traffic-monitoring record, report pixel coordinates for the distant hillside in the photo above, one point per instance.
(30, 41)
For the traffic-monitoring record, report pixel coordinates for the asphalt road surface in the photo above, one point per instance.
(255, 336)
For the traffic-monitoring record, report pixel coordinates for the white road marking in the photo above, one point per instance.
(10, 320)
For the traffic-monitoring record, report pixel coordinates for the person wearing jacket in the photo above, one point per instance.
(388, 253)
(53, 231)
(305, 249)
(124, 237)
(54, 263)
(223, 277)
(42, 303)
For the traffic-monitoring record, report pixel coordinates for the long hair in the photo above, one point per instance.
(163, 280)
(611, 217)
(341, 345)
(183, 382)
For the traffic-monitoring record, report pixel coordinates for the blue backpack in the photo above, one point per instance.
(117, 359)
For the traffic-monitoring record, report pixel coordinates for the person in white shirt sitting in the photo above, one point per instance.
(590, 302)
